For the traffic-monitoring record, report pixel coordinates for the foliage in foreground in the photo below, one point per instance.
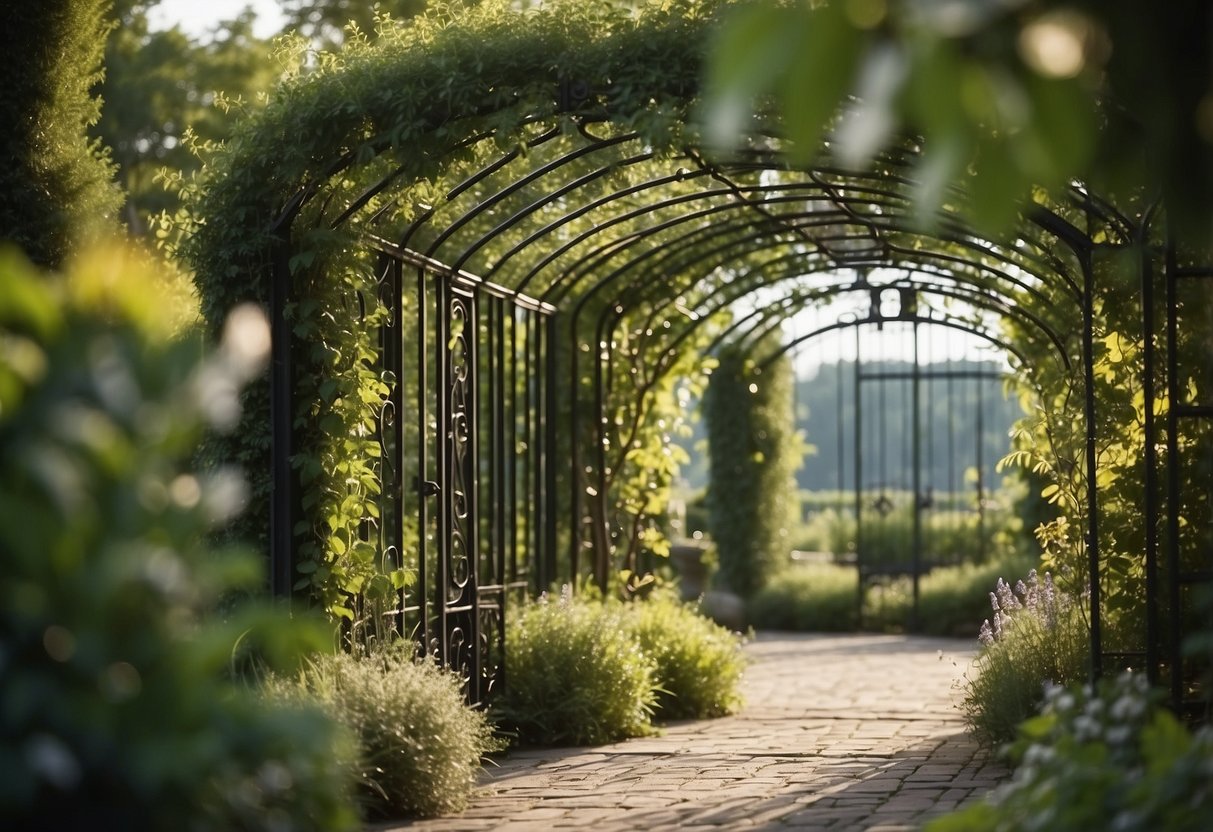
(1036, 638)
(117, 708)
(419, 745)
(576, 675)
(699, 663)
(1100, 760)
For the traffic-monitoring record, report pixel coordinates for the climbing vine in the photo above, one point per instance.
(755, 451)
(431, 100)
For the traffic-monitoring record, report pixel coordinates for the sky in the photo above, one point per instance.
(197, 17)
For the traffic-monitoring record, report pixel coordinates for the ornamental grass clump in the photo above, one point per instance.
(699, 663)
(577, 676)
(419, 745)
(1036, 637)
(1105, 759)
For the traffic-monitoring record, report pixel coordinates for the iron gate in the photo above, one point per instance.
(466, 436)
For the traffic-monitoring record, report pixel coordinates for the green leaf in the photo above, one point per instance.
(821, 69)
(996, 187)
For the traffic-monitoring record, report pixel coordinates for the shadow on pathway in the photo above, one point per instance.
(838, 732)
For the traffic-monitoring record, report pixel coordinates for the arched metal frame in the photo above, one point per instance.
(596, 229)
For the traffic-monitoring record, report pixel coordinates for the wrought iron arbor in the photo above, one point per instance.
(501, 304)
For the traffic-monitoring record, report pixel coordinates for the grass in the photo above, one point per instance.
(819, 597)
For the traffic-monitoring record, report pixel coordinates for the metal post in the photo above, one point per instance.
(981, 493)
(839, 438)
(858, 482)
(916, 477)
(549, 458)
(1150, 431)
(423, 442)
(282, 384)
(1088, 361)
(1174, 646)
(392, 434)
(446, 478)
(575, 468)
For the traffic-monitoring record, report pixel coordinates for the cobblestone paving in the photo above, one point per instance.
(848, 732)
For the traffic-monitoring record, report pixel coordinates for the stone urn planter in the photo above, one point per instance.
(687, 560)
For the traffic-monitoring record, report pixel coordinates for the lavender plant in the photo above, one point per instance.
(1040, 599)
(1036, 637)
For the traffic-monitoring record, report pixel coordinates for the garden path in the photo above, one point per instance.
(838, 732)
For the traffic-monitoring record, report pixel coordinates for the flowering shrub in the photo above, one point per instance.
(1035, 637)
(1043, 602)
(1105, 760)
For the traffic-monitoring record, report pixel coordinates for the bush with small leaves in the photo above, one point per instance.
(419, 745)
(577, 676)
(699, 663)
(1100, 760)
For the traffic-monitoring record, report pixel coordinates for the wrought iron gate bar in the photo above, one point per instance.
(423, 633)
(1150, 502)
(1092, 463)
(464, 278)
(1171, 335)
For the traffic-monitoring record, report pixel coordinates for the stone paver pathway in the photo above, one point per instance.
(838, 732)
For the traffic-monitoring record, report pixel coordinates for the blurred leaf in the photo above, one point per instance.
(820, 72)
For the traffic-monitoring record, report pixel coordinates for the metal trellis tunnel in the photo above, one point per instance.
(562, 269)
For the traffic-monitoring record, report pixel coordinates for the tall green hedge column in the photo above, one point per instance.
(56, 186)
(754, 452)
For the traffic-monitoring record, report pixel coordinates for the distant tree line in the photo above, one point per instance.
(951, 409)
